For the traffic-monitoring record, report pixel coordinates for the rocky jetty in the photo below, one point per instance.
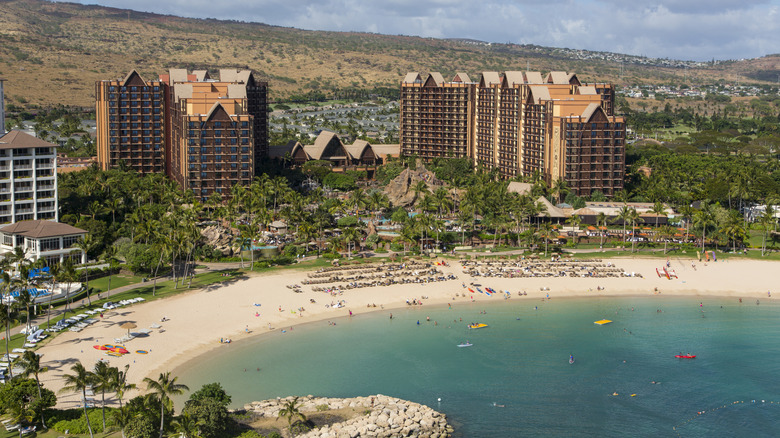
(378, 416)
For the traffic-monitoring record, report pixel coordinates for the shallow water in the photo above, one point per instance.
(516, 379)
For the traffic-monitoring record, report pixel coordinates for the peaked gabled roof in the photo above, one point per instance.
(177, 75)
(412, 78)
(591, 110)
(533, 77)
(512, 78)
(18, 139)
(218, 112)
(573, 79)
(324, 142)
(201, 75)
(434, 79)
(356, 149)
(558, 77)
(552, 211)
(539, 93)
(461, 77)
(490, 78)
(40, 228)
(133, 79)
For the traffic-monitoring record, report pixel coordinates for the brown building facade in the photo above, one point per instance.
(130, 124)
(206, 134)
(517, 123)
(437, 116)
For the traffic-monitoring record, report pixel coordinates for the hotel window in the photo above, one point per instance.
(69, 241)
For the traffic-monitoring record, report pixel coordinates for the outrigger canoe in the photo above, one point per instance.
(465, 345)
(685, 356)
(477, 325)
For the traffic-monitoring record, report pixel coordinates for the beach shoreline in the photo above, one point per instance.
(196, 320)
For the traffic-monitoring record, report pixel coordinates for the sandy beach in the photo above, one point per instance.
(195, 321)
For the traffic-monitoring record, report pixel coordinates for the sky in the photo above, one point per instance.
(696, 30)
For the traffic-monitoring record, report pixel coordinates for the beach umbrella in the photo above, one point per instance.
(128, 325)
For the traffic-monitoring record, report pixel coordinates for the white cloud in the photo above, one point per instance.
(681, 29)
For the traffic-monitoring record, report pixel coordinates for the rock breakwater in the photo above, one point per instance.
(375, 416)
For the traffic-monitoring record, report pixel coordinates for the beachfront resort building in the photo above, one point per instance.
(206, 134)
(131, 124)
(28, 178)
(52, 241)
(437, 116)
(360, 155)
(520, 124)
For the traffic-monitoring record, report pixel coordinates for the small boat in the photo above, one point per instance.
(685, 356)
(477, 325)
(571, 359)
(465, 344)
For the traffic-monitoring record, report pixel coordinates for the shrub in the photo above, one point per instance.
(321, 408)
(79, 425)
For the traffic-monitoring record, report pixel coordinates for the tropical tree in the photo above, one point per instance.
(120, 384)
(186, 426)
(601, 225)
(703, 218)
(659, 210)
(21, 414)
(575, 221)
(560, 188)
(79, 381)
(766, 222)
(31, 364)
(624, 215)
(291, 411)
(733, 229)
(109, 257)
(546, 232)
(104, 379)
(162, 389)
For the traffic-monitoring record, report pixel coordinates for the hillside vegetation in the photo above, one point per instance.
(52, 53)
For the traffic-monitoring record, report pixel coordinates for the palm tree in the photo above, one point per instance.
(55, 271)
(79, 381)
(560, 189)
(163, 388)
(122, 417)
(109, 257)
(704, 218)
(31, 364)
(601, 221)
(350, 235)
(21, 414)
(291, 411)
(765, 221)
(443, 202)
(575, 221)
(120, 385)
(634, 218)
(546, 232)
(420, 187)
(659, 209)
(85, 244)
(733, 229)
(103, 376)
(186, 426)
(624, 215)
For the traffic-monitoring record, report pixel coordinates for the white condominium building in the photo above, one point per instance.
(28, 178)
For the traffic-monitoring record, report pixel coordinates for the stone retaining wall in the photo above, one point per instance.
(386, 417)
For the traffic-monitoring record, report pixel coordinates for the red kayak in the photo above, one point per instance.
(685, 356)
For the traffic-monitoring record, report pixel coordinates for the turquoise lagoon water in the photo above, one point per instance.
(516, 379)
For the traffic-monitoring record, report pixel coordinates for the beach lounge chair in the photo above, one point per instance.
(12, 427)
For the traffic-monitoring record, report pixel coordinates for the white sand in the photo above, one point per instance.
(199, 318)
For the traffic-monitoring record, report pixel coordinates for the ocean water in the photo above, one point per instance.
(516, 379)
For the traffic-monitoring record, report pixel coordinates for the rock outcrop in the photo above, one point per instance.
(219, 237)
(400, 190)
(381, 416)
